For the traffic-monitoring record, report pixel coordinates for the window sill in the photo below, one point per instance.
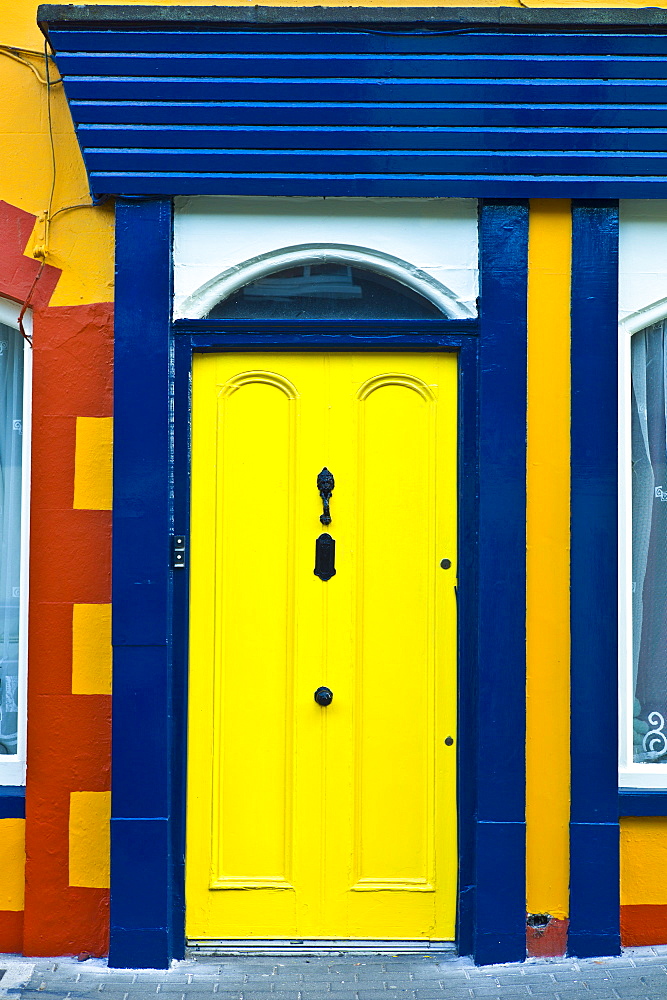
(642, 802)
(12, 802)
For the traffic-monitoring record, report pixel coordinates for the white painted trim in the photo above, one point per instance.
(625, 693)
(10, 312)
(203, 299)
(644, 317)
(13, 769)
(643, 776)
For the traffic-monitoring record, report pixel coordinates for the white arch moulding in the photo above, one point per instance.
(203, 299)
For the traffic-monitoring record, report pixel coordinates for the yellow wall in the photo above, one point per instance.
(93, 463)
(81, 241)
(548, 560)
(89, 814)
(91, 649)
(12, 863)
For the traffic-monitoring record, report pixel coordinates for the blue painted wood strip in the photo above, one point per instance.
(237, 137)
(621, 117)
(141, 845)
(296, 341)
(500, 901)
(388, 185)
(12, 802)
(373, 90)
(326, 64)
(386, 161)
(463, 40)
(642, 802)
(594, 833)
(468, 631)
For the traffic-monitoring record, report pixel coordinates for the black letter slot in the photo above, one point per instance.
(325, 557)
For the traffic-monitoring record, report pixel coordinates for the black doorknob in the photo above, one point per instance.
(324, 696)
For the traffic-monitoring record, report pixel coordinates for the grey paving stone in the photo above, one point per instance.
(375, 986)
(492, 990)
(539, 989)
(311, 994)
(640, 974)
(456, 994)
(513, 978)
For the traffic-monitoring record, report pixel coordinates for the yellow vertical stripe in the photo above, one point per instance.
(91, 649)
(92, 464)
(12, 863)
(89, 840)
(548, 559)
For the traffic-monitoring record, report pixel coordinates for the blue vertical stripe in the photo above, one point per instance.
(594, 830)
(500, 852)
(141, 853)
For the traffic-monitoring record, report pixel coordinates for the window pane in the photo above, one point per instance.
(11, 448)
(325, 291)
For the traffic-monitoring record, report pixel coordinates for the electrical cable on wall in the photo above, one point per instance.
(17, 53)
(41, 251)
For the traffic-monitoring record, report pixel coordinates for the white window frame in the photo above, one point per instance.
(630, 775)
(13, 768)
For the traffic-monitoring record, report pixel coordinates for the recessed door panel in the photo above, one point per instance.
(254, 657)
(307, 819)
(395, 641)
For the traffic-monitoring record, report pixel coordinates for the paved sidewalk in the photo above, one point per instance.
(639, 974)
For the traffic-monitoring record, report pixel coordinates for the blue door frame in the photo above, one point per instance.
(150, 600)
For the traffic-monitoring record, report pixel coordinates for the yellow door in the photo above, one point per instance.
(308, 821)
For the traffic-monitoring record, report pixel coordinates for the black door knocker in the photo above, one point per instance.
(325, 546)
(325, 484)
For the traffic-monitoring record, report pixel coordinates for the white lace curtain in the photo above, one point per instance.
(11, 440)
(649, 541)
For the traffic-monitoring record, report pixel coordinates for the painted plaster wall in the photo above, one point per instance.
(644, 880)
(54, 896)
(642, 259)
(65, 827)
(548, 575)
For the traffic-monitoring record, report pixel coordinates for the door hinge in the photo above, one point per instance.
(178, 551)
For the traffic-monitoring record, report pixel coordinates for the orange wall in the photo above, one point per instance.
(66, 906)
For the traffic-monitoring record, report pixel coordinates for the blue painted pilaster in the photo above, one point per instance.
(594, 829)
(499, 925)
(141, 855)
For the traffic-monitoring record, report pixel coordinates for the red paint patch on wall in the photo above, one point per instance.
(11, 931)
(70, 556)
(643, 924)
(546, 938)
(18, 272)
(73, 361)
(50, 648)
(68, 735)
